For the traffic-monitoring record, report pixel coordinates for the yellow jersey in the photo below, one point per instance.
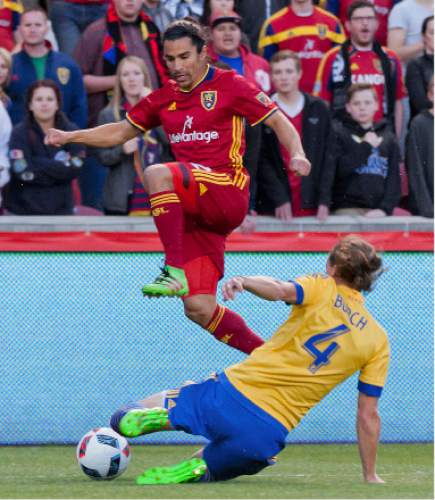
(328, 336)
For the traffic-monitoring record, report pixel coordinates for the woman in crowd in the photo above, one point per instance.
(5, 121)
(132, 84)
(41, 175)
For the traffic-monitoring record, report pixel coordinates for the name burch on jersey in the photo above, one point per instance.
(355, 318)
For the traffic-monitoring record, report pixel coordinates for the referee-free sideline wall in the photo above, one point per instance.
(79, 340)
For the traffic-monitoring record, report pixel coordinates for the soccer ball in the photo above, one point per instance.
(103, 454)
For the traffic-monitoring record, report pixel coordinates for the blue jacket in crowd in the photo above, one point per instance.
(59, 68)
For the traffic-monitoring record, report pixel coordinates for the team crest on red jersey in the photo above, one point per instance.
(209, 99)
(322, 30)
(263, 98)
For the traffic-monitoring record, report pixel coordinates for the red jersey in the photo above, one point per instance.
(205, 124)
(309, 36)
(295, 181)
(9, 21)
(365, 67)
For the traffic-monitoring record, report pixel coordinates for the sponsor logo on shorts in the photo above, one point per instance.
(189, 135)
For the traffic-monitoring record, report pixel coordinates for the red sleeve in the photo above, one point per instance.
(249, 102)
(145, 114)
(322, 84)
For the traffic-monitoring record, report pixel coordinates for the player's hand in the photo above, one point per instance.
(300, 165)
(55, 137)
(373, 139)
(322, 213)
(373, 479)
(249, 223)
(284, 212)
(232, 287)
(130, 146)
(375, 213)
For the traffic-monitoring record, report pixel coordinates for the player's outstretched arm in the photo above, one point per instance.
(289, 138)
(104, 136)
(263, 286)
(368, 428)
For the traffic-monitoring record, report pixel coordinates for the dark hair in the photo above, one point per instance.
(186, 29)
(206, 13)
(44, 84)
(356, 262)
(359, 87)
(425, 23)
(359, 4)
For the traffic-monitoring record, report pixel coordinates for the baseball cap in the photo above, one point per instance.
(228, 16)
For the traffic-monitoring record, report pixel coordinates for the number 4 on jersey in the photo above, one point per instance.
(322, 358)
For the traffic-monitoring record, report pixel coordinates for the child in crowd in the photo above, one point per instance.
(365, 178)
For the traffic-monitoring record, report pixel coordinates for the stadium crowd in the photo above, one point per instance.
(354, 77)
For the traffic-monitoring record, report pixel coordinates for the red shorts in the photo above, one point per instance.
(214, 203)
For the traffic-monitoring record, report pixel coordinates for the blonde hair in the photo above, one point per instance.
(118, 93)
(7, 58)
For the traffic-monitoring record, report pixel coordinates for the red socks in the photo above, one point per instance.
(230, 328)
(169, 219)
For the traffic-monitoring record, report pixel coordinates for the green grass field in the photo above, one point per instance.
(302, 471)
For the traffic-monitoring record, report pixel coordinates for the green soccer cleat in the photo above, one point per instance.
(162, 284)
(189, 471)
(142, 421)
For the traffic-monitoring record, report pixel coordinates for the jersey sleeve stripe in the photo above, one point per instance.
(299, 292)
(269, 113)
(369, 389)
(135, 125)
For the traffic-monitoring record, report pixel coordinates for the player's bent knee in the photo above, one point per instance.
(198, 312)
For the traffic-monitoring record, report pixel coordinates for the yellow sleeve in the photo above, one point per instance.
(311, 288)
(374, 373)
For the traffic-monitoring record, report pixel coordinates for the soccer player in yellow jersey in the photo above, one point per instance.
(247, 411)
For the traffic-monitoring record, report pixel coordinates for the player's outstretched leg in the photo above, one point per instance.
(188, 471)
(135, 420)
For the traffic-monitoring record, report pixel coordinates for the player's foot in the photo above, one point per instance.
(166, 283)
(142, 421)
(185, 472)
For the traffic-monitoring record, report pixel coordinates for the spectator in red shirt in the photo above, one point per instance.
(362, 60)
(305, 29)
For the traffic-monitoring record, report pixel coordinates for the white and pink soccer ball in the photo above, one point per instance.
(102, 453)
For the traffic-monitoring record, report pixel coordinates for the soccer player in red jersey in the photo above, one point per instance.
(305, 29)
(203, 196)
(363, 60)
